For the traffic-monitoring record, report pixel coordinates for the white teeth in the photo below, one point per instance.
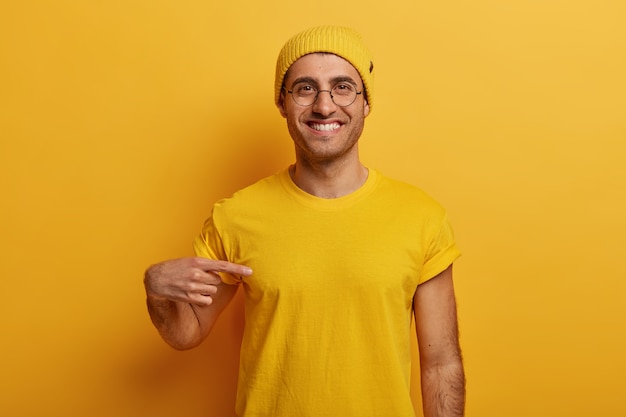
(325, 127)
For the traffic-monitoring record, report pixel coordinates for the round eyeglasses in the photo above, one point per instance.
(342, 94)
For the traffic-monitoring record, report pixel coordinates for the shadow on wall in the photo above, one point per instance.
(198, 382)
(202, 381)
(246, 148)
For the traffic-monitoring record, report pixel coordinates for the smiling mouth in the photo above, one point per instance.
(324, 127)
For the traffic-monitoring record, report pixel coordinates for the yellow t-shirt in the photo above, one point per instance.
(328, 308)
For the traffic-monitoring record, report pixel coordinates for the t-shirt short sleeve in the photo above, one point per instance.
(442, 251)
(208, 244)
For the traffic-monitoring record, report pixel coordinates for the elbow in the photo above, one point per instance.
(181, 346)
(181, 337)
(180, 343)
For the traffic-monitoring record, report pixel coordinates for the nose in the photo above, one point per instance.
(323, 103)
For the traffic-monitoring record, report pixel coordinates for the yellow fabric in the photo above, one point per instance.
(341, 41)
(329, 305)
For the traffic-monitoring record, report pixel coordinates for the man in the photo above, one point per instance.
(334, 259)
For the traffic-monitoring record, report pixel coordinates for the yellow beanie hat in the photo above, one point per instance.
(341, 41)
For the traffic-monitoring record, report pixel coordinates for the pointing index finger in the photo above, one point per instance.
(224, 266)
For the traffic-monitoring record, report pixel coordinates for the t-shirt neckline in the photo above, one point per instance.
(329, 204)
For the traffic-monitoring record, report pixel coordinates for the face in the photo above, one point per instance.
(323, 132)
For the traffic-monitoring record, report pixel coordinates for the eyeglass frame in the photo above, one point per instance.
(317, 93)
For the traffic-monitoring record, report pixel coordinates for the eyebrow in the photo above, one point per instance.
(335, 80)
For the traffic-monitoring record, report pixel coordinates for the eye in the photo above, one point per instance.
(304, 89)
(343, 89)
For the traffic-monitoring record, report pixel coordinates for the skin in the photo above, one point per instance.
(327, 162)
(441, 365)
(186, 296)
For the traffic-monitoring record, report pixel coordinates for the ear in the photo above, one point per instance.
(366, 109)
(281, 104)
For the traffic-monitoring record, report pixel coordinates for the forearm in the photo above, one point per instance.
(443, 390)
(176, 322)
(185, 296)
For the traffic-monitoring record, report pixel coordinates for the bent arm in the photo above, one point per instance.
(442, 374)
(186, 296)
(185, 325)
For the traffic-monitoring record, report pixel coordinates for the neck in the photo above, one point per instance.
(328, 181)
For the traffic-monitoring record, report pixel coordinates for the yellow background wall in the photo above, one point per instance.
(122, 121)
